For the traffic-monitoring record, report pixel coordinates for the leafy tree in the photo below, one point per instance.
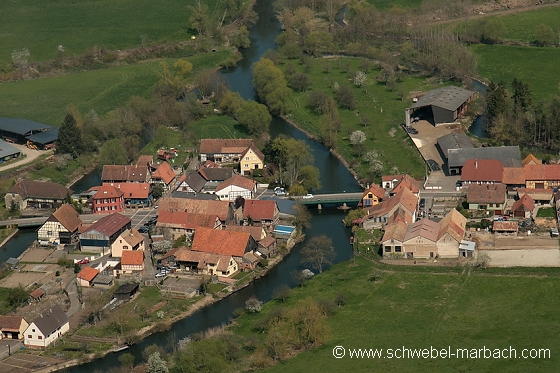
(316, 101)
(230, 103)
(127, 360)
(207, 355)
(317, 43)
(70, 138)
(360, 78)
(113, 152)
(345, 97)
(302, 218)
(157, 191)
(497, 99)
(353, 215)
(493, 30)
(297, 190)
(282, 292)
(357, 139)
(253, 305)
(521, 95)
(299, 82)
(17, 296)
(271, 86)
(318, 252)
(290, 155)
(255, 117)
(156, 364)
(241, 38)
(200, 19)
(544, 35)
(174, 80)
(309, 176)
(205, 81)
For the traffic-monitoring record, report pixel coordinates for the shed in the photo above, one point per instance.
(442, 105)
(466, 249)
(126, 291)
(37, 294)
(13, 262)
(505, 227)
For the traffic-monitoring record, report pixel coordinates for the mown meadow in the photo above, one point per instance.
(419, 307)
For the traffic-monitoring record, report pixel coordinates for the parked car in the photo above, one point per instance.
(161, 274)
(280, 191)
(143, 229)
(422, 203)
(308, 196)
(83, 261)
(459, 184)
(411, 130)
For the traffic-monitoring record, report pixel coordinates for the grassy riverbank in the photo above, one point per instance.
(417, 307)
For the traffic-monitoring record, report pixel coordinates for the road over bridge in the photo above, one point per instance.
(327, 198)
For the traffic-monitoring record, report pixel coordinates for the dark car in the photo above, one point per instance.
(434, 166)
(422, 203)
(411, 130)
(143, 229)
(459, 184)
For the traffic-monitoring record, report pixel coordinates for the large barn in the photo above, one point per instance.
(22, 130)
(441, 105)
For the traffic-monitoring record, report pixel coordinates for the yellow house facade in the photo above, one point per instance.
(251, 159)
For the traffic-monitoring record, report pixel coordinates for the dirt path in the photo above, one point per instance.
(493, 13)
(31, 155)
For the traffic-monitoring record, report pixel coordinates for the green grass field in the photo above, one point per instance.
(418, 307)
(531, 65)
(41, 26)
(383, 108)
(521, 26)
(44, 100)
(387, 4)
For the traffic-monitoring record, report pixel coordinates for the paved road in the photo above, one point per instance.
(31, 155)
(72, 290)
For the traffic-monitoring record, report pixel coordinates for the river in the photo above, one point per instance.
(333, 175)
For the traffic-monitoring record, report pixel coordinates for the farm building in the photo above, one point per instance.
(103, 233)
(8, 151)
(29, 193)
(510, 156)
(23, 130)
(441, 105)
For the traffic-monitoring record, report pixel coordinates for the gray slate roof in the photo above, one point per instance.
(454, 141)
(195, 181)
(7, 149)
(449, 98)
(216, 174)
(44, 137)
(22, 126)
(50, 320)
(458, 157)
(199, 196)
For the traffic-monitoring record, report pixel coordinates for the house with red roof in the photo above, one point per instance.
(223, 150)
(482, 171)
(131, 261)
(542, 176)
(251, 159)
(39, 194)
(106, 200)
(163, 176)
(407, 182)
(223, 242)
(203, 262)
(513, 178)
(420, 240)
(490, 197)
(530, 160)
(451, 232)
(372, 196)
(12, 327)
(86, 275)
(523, 207)
(540, 196)
(182, 223)
(260, 212)
(100, 236)
(135, 194)
(130, 239)
(400, 207)
(393, 239)
(62, 226)
(125, 174)
(389, 181)
(236, 186)
(223, 209)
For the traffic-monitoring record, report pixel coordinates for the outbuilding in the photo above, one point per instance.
(442, 105)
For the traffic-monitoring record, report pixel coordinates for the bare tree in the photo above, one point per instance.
(318, 252)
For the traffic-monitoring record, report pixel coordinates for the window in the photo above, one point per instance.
(398, 249)
(29, 336)
(49, 233)
(246, 158)
(33, 330)
(40, 337)
(387, 249)
(246, 165)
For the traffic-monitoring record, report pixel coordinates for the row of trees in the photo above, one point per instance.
(514, 118)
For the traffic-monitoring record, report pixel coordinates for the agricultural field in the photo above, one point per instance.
(532, 65)
(421, 307)
(43, 26)
(45, 100)
(387, 4)
(384, 108)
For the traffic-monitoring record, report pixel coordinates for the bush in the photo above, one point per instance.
(253, 305)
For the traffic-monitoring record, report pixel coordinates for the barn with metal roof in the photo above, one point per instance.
(8, 151)
(441, 105)
(22, 130)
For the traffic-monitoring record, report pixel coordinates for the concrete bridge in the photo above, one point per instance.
(330, 198)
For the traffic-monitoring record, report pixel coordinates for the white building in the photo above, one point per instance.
(46, 328)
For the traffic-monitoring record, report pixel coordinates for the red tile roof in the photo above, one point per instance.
(239, 181)
(145, 160)
(486, 193)
(110, 224)
(423, 228)
(220, 208)
(10, 323)
(106, 191)
(221, 242)
(132, 237)
(542, 172)
(374, 189)
(506, 226)
(256, 232)
(224, 146)
(37, 293)
(39, 189)
(186, 220)
(260, 209)
(164, 172)
(513, 176)
(125, 173)
(536, 194)
(210, 164)
(68, 217)
(394, 231)
(132, 257)
(407, 182)
(88, 273)
(454, 224)
(134, 190)
(525, 203)
(530, 159)
(486, 170)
